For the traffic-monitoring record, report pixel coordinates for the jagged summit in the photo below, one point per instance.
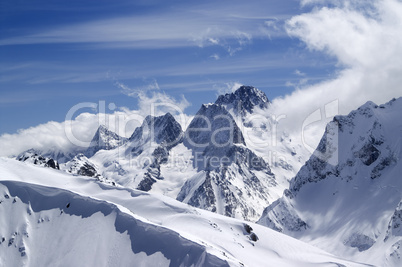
(230, 176)
(107, 138)
(104, 139)
(355, 140)
(153, 141)
(244, 100)
(213, 127)
(161, 129)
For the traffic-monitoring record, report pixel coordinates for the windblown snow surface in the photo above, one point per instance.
(50, 218)
(348, 200)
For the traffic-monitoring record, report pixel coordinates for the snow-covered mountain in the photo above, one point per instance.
(347, 197)
(157, 135)
(259, 124)
(196, 167)
(228, 160)
(144, 161)
(33, 156)
(51, 218)
(231, 179)
(104, 139)
(80, 165)
(241, 165)
(232, 160)
(243, 100)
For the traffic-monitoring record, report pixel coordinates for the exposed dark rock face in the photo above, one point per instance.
(163, 131)
(360, 241)
(104, 139)
(146, 183)
(213, 128)
(34, 157)
(395, 224)
(80, 165)
(222, 157)
(243, 100)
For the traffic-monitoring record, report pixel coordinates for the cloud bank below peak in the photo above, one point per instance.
(75, 133)
(365, 40)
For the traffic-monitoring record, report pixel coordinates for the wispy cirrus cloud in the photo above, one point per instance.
(37, 72)
(153, 101)
(230, 24)
(169, 30)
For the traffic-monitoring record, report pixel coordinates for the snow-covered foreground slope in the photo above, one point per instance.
(50, 218)
(347, 198)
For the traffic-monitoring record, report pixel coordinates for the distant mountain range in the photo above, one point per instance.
(345, 198)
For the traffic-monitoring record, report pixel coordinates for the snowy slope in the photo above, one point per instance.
(347, 197)
(50, 218)
(81, 165)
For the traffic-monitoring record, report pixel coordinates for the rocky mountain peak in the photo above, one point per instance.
(104, 139)
(214, 128)
(154, 138)
(244, 99)
(364, 183)
(357, 140)
(161, 129)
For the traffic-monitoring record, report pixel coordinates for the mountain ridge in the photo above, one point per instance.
(357, 200)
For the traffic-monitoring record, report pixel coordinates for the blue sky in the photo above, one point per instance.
(55, 54)
(306, 55)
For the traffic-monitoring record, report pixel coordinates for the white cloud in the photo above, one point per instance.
(215, 56)
(225, 88)
(50, 135)
(365, 41)
(367, 44)
(135, 92)
(213, 41)
(158, 30)
(151, 100)
(299, 73)
(75, 133)
(155, 102)
(274, 27)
